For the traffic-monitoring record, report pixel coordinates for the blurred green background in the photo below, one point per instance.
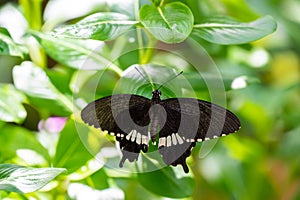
(261, 161)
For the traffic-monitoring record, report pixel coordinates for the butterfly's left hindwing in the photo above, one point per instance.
(126, 117)
(190, 121)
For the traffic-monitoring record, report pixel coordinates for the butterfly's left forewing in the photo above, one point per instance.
(190, 121)
(126, 117)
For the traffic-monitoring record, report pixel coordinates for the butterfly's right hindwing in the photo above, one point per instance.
(126, 117)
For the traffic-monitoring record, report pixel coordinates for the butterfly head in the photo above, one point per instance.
(156, 96)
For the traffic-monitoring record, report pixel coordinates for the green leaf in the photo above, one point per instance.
(34, 82)
(99, 180)
(170, 23)
(9, 47)
(99, 26)
(131, 81)
(14, 138)
(11, 108)
(75, 53)
(133, 190)
(60, 77)
(21, 179)
(169, 185)
(224, 30)
(71, 152)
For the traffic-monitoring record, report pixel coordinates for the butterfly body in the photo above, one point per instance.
(178, 122)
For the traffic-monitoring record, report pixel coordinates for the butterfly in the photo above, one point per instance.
(177, 124)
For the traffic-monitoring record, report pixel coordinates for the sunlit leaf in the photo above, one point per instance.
(170, 23)
(21, 179)
(33, 81)
(98, 179)
(224, 30)
(75, 53)
(71, 153)
(99, 26)
(14, 138)
(9, 47)
(11, 108)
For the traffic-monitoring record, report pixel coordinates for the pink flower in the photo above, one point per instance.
(52, 124)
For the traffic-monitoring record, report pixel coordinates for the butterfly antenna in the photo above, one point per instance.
(169, 80)
(144, 77)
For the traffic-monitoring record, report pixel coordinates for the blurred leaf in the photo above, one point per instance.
(81, 191)
(33, 81)
(168, 184)
(99, 26)
(290, 146)
(170, 23)
(224, 30)
(155, 74)
(21, 179)
(125, 7)
(11, 108)
(9, 47)
(60, 77)
(133, 190)
(70, 151)
(75, 53)
(13, 138)
(199, 83)
(239, 9)
(99, 180)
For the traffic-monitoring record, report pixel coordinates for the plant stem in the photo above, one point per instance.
(32, 10)
(150, 48)
(139, 30)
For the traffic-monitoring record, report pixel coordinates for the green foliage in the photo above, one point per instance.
(99, 26)
(9, 47)
(170, 23)
(11, 108)
(222, 30)
(14, 178)
(69, 144)
(68, 59)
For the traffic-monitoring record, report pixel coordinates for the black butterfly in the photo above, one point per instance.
(177, 122)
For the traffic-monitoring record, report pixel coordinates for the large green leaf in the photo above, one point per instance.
(224, 30)
(132, 81)
(9, 47)
(99, 26)
(99, 180)
(75, 53)
(14, 138)
(21, 179)
(33, 81)
(133, 190)
(169, 185)
(170, 23)
(71, 153)
(11, 108)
